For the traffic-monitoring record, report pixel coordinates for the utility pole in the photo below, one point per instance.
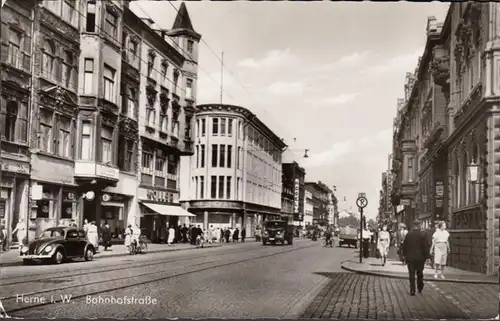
(221, 77)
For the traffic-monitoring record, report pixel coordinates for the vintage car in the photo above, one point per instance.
(58, 244)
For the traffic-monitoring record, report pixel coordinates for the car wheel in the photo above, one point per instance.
(89, 254)
(58, 257)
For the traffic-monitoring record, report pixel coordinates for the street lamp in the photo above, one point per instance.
(473, 170)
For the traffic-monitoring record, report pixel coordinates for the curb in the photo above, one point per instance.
(20, 263)
(393, 276)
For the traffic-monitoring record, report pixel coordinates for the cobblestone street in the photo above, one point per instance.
(361, 296)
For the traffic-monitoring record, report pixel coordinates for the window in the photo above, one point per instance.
(223, 126)
(222, 155)
(109, 84)
(176, 80)
(190, 45)
(164, 70)
(187, 128)
(213, 187)
(410, 169)
(228, 187)
(202, 186)
(189, 89)
(229, 156)
(203, 127)
(90, 27)
(173, 161)
(107, 144)
(69, 13)
(64, 140)
(15, 49)
(214, 155)
(163, 119)
(86, 146)
(88, 77)
(229, 127)
(110, 25)
(131, 103)
(202, 157)
(69, 72)
(126, 152)
(147, 159)
(150, 116)
(45, 136)
(160, 163)
(215, 126)
(151, 64)
(221, 186)
(197, 156)
(48, 63)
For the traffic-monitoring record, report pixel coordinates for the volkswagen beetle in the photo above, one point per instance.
(58, 244)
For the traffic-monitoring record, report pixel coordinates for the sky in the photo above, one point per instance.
(324, 76)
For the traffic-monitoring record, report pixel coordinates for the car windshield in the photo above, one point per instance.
(51, 233)
(275, 224)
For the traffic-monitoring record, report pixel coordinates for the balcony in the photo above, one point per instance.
(91, 170)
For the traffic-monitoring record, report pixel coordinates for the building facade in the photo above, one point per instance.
(15, 114)
(320, 201)
(308, 207)
(458, 125)
(236, 170)
(166, 94)
(386, 210)
(292, 193)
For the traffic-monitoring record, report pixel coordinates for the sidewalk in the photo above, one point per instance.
(395, 269)
(12, 257)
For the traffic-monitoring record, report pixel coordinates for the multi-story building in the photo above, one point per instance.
(320, 201)
(457, 158)
(308, 207)
(385, 210)
(16, 82)
(166, 89)
(236, 170)
(292, 194)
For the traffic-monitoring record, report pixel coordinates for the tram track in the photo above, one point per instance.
(136, 280)
(110, 268)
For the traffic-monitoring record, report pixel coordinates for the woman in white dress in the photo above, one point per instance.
(440, 249)
(21, 231)
(384, 239)
(171, 235)
(93, 235)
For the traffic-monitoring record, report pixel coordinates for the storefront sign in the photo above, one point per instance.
(439, 188)
(158, 196)
(15, 168)
(107, 172)
(36, 192)
(296, 197)
(215, 204)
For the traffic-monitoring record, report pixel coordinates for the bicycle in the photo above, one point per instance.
(324, 242)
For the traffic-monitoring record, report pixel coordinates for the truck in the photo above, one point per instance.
(275, 232)
(348, 236)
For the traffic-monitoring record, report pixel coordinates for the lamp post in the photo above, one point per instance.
(362, 202)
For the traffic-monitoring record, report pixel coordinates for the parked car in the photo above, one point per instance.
(58, 244)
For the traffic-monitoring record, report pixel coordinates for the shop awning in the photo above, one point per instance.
(167, 210)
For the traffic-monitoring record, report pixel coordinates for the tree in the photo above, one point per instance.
(372, 223)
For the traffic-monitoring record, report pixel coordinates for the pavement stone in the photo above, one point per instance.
(396, 269)
(359, 296)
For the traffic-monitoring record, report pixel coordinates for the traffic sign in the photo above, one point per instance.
(362, 202)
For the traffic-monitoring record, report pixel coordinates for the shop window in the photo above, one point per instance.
(68, 205)
(44, 205)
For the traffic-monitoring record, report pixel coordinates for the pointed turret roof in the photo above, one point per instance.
(182, 24)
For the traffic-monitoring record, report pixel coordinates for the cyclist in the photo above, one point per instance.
(328, 236)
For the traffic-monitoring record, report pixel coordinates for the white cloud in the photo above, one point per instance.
(343, 148)
(273, 58)
(405, 62)
(334, 100)
(354, 58)
(286, 88)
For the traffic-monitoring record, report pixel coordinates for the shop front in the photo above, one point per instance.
(14, 197)
(158, 211)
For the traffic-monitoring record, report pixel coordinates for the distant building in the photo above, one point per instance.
(320, 199)
(308, 208)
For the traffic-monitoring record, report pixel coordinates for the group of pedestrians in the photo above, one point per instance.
(416, 250)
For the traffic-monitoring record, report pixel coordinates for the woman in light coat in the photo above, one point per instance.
(21, 231)
(171, 235)
(93, 235)
(440, 249)
(384, 240)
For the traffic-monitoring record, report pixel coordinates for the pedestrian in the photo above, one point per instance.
(243, 234)
(210, 234)
(227, 234)
(128, 236)
(440, 249)
(222, 233)
(163, 234)
(106, 237)
(3, 236)
(383, 243)
(365, 247)
(86, 226)
(20, 232)
(236, 235)
(93, 235)
(416, 252)
(171, 235)
(400, 240)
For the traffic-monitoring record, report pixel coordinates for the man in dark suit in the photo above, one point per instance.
(416, 251)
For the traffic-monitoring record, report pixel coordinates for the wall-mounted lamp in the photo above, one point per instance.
(305, 153)
(473, 172)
